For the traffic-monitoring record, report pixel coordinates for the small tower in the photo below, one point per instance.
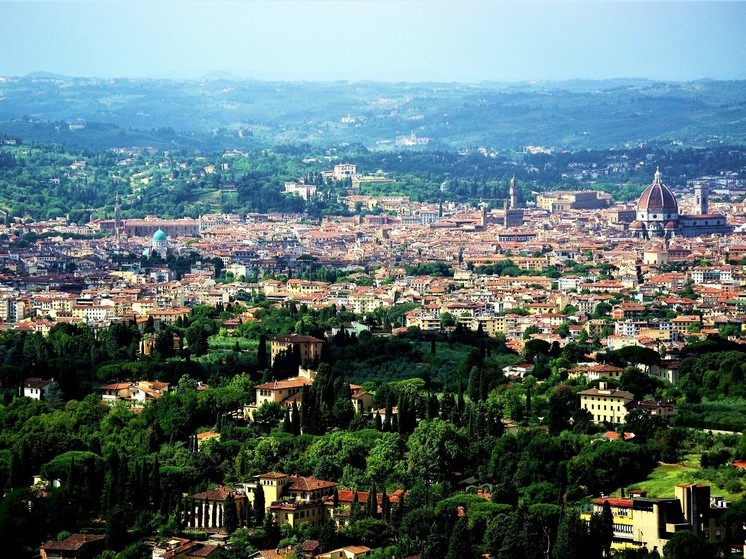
(116, 218)
(700, 199)
(513, 194)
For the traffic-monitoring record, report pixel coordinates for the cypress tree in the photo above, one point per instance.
(372, 509)
(459, 546)
(230, 515)
(399, 511)
(385, 507)
(474, 380)
(286, 426)
(259, 505)
(433, 406)
(155, 482)
(214, 516)
(261, 354)
(355, 512)
(377, 423)
(295, 419)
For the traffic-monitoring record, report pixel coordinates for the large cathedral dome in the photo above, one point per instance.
(657, 202)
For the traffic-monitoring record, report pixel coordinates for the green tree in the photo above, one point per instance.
(434, 450)
(684, 544)
(259, 506)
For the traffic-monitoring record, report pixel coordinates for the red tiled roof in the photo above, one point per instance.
(622, 503)
(301, 483)
(72, 543)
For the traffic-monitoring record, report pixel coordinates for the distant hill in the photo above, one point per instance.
(221, 109)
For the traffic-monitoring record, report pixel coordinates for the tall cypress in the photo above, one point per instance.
(155, 482)
(372, 509)
(459, 546)
(295, 418)
(385, 507)
(262, 361)
(259, 505)
(230, 515)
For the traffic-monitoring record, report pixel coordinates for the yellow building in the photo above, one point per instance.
(308, 346)
(647, 522)
(606, 405)
(295, 500)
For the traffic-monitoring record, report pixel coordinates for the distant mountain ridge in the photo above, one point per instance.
(572, 114)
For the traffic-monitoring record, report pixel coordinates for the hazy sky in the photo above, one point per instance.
(389, 40)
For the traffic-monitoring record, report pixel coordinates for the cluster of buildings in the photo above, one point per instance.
(642, 522)
(659, 290)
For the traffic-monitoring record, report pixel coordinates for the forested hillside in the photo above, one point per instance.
(233, 112)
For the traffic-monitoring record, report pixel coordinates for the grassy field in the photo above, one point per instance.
(665, 477)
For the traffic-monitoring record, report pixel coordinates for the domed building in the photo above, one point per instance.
(657, 215)
(158, 245)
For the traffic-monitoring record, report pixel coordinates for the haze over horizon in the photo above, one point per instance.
(411, 41)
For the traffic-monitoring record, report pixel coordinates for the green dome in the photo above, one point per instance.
(159, 236)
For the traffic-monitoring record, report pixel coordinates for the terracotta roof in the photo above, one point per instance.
(218, 494)
(657, 196)
(273, 475)
(205, 550)
(35, 383)
(295, 382)
(310, 545)
(622, 503)
(301, 483)
(72, 543)
(297, 339)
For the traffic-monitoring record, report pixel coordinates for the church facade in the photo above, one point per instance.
(657, 215)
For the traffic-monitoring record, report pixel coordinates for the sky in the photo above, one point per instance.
(380, 40)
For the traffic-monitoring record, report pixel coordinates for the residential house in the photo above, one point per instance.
(309, 348)
(345, 497)
(37, 388)
(137, 394)
(348, 552)
(665, 408)
(75, 546)
(606, 405)
(181, 548)
(294, 499)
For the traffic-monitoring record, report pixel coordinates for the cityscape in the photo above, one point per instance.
(440, 312)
